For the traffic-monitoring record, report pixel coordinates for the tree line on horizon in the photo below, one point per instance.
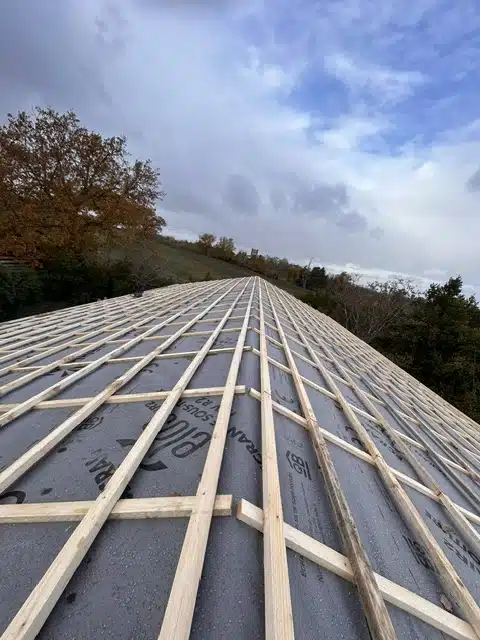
(433, 335)
(80, 216)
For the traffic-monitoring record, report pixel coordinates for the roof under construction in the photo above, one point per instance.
(219, 460)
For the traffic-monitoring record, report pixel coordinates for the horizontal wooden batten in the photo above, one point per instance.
(337, 563)
(132, 509)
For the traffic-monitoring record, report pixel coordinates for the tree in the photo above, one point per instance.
(62, 186)
(282, 268)
(206, 242)
(294, 273)
(259, 264)
(317, 279)
(369, 311)
(435, 337)
(387, 303)
(305, 274)
(18, 289)
(444, 343)
(242, 258)
(225, 248)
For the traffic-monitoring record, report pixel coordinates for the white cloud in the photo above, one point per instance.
(237, 112)
(348, 133)
(420, 282)
(385, 84)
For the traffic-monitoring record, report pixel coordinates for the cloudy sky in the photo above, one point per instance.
(347, 131)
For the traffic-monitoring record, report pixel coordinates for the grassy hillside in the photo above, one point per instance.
(182, 265)
(68, 280)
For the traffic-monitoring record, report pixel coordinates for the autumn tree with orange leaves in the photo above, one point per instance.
(63, 187)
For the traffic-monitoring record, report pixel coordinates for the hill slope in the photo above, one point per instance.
(182, 265)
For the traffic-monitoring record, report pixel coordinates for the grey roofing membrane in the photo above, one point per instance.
(122, 584)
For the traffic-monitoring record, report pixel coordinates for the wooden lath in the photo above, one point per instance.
(340, 358)
(34, 612)
(386, 370)
(409, 513)
(278, 605)
(340, 565)
(93, 346)
(132, 509)
(378, 392)
(181, 603)
(379, 623)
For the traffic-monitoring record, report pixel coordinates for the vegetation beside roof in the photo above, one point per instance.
(80, 216)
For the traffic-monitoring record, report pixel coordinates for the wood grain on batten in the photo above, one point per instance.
(131, 509)
(449, 577)
(32, 615)
(278, 605)
(339, 564)
(26, 461)
(379, 623)
(178, 616)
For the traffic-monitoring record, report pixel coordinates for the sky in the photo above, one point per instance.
(343, 131)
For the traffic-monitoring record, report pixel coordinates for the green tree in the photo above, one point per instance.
(445, 342)
(206, 242)
(242, 258)
(18, 289)
(62, 186)
(294, 274)
(317, 278)
(225, 248)
(259, 264)
(282, 268)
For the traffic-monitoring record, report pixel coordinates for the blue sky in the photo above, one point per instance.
(347, 131)
(413, 69)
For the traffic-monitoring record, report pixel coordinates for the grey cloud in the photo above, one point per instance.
(278, 198)
(205, 5)
(47, 56)
(241, 195)
(352, 222)
(170, 82)
(377, 233)
(112, 29)
(332, 202)
(321, 201)
(473, 183)
(187, 202)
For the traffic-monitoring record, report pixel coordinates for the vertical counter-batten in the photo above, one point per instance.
(379, 622)
(31, 617)
(278, 605)
(69, 380)
(353, 344)
(38, 451)
(96, 326)
(464, 526)
(181, 603)
(82, 320)
(152, 307)
(447, 573)
(220, 578)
